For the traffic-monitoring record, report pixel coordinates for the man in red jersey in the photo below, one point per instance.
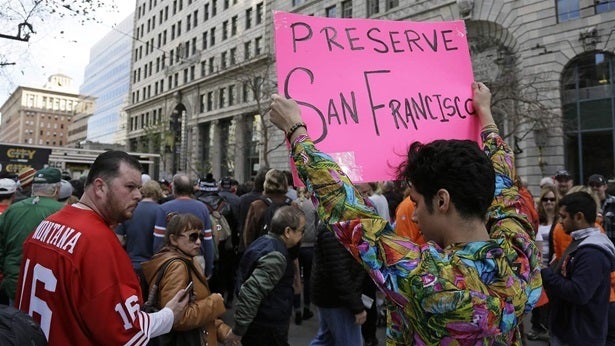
(76, 280)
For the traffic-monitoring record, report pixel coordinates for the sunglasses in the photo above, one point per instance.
(193, 236)
(595, 185)
(547, 199)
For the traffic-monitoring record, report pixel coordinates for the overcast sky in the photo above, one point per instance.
(58, 46)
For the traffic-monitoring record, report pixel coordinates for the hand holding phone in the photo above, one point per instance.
(188, 287)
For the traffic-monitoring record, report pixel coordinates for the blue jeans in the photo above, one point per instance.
(337, 328)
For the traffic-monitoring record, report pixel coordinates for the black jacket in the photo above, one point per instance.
(579, 289)
(337, 277)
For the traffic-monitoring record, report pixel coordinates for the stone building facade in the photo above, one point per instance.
(45, 116)
(202, 73)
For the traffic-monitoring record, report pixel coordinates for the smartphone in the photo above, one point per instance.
(188, 288)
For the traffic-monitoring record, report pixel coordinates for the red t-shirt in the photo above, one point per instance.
(77, 282)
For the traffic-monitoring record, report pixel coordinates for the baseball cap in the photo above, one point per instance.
(562, 174)
(25, 176)
(596, 179)
(7, 186)
(66, 189)
(47, 175)
(226, 183)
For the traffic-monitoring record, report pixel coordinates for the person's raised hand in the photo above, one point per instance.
(178, 304)
(284, 112)
(481, 97)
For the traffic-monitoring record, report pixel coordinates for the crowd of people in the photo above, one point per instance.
(130, 260)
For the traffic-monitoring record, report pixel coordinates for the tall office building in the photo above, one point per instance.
(107, 78)
(196, 63)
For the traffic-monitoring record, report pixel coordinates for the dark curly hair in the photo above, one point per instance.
(458, 166)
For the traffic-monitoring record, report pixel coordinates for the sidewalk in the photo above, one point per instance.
(302, 335)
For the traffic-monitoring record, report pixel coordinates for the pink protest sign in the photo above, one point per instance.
(369, 88)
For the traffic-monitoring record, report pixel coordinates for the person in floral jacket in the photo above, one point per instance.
(472, 282)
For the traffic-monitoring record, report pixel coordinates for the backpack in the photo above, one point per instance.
(18, 328)
(265, 222)
(220, 227)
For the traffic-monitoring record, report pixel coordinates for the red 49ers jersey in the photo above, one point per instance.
(77, 281)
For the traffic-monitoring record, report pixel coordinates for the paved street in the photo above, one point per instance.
(303, 334)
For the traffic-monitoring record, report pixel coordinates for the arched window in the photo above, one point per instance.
(588, 115)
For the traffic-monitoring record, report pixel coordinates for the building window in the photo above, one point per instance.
(210, 101)
(257, 46)
(234, 26)
(205, 40)
(206, 12)
(587, 101)
(231, 95)
(391, 4)
(223, 60)
(188, 22)
(214, 8)
(211, 64)
(221, 97)
(347, 9)
(567, 10)
(259, 13)
(246, 91)
(248, 18)
(604, 5)
(212, 36)
(233, 56)
(224, 30)
(247, 50)
(373, 7)
(331, 12)
(298, 2)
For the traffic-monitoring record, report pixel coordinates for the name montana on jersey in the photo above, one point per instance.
(60, 236)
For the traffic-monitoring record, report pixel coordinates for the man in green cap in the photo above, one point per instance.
(19, 220)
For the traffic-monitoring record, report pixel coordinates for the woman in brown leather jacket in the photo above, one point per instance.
(182, 242)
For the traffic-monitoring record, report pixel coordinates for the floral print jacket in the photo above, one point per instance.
(466, 294)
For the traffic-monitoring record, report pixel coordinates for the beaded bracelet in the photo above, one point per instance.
(294, 128)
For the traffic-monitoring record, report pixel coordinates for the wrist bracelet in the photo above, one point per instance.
(294, 128)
